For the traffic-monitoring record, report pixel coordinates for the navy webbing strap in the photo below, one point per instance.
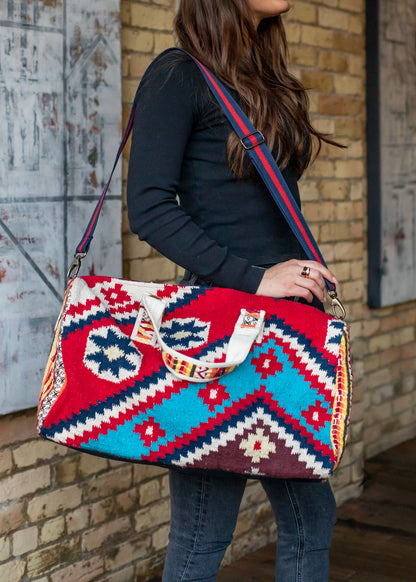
(263, 160)
(85, 242)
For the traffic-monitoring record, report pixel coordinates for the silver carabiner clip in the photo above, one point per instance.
(75, 266)
(338, 309)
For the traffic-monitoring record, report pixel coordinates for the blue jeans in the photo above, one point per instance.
(204, 514)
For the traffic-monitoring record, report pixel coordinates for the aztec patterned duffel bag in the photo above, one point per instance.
(197, 377)
(201, 377)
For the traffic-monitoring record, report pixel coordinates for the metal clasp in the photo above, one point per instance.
(338, 309)
(252, 145)
(75, 266)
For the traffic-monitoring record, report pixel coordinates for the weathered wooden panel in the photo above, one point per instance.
(60, 125)
(397, 152)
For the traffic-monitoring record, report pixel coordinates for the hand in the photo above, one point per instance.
(286, 280)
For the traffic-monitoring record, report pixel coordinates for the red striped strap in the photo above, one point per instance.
(253, 141)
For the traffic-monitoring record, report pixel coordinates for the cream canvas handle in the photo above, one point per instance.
(248, 329)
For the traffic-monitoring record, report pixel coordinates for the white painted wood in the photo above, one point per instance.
(60, 98)
(398, 149)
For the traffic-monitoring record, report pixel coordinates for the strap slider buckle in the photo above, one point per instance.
(250, 145)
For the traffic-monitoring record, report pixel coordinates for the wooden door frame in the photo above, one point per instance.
(374, 199)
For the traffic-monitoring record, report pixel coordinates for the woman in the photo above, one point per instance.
(228, 232)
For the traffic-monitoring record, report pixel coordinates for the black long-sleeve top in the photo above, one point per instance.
(223, 229)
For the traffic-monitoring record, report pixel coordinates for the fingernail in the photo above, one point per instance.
(324, 300)
(335, 281)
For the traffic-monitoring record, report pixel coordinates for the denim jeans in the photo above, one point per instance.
(204, 514)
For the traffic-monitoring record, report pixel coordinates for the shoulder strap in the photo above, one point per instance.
(263, 160)
(253, 142)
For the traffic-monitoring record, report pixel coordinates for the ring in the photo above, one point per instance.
(306, 271)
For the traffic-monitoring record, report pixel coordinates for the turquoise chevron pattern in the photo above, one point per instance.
(283, 412)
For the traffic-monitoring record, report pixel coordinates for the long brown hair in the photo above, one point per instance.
(222, 35)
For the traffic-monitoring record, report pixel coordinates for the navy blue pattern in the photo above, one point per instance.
(101, 357)
(107, 405)
(184, 333)
(91, 319)
(186, 300)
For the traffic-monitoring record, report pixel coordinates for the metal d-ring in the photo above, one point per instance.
(338, 309)
(75, 266)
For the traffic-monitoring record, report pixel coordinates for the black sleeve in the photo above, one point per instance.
(167, 108)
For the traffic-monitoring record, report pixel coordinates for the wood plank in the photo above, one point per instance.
(404, 478)
(374, 552)
(397, 78)
(340, 574)
(390, 492)
(370, 577)
(376, 514)
(403, 455)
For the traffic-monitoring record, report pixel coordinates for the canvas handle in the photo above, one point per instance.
(247, 330)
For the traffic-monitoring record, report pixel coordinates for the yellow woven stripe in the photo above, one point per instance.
(145, 333)
(143, 338)
(342, 399)
(191, 371)
(47, 382)
(49, 375)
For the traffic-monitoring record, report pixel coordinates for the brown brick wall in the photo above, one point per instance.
(66, 516)
(327, 39)
(147, 31)
(327, 53)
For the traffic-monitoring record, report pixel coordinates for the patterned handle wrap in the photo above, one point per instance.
(247, 330)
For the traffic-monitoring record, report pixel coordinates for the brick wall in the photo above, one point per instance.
(327, 43)
(327, 40)
(66, 516)
(146, 31)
